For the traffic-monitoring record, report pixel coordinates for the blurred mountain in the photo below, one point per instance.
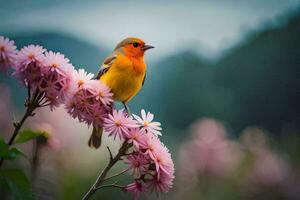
(80, 53)
(255, 83)
(263, 74)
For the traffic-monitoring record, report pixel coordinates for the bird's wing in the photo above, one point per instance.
(106, 65)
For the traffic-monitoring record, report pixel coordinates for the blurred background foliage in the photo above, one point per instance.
(254, 82)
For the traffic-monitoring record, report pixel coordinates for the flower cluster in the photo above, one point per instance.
(148, 159)
(47, 74)
(250, 162)
(210, 153)
(210, 150)
(57, 77)
(90, 100)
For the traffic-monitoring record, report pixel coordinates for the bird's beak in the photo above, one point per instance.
(146, 47)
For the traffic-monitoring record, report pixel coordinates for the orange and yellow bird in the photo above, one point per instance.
(124, 72)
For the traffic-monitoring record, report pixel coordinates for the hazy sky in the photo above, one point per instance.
(205, 25)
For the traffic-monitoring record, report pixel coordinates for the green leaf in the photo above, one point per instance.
(14, 152)
(17, 183)
(16, 176)
(27, 135)
(4, 150)
(7, 153)
(11, 154)
(3, 145)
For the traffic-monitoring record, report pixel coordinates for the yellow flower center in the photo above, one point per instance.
(135, 136)
(146, 123)
(136, 163)
(118, 123)
(151, 148)
(55, 65)
(80, 82)
(30, 56)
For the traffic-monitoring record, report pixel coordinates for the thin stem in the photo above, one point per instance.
(18, 125)
(117, 174)
(35, 160)
(40, 97)
(111, 185)
(35, 95)
(30, 107)
(42, 100)
(102, 175)
(29, 93)
(131, 153)
(110, 154)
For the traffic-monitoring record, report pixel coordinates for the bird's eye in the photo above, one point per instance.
(135, 44)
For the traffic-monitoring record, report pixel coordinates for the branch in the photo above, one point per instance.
(128, 154)
(118, 174)
(30, 107)
(100, 179)
(18, 126)
(110, 154)
(35, 161)
(29, 93)
(111, 185)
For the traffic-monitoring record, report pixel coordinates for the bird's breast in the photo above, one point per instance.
(125, 78)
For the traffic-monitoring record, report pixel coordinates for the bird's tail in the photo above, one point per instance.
(96, 137)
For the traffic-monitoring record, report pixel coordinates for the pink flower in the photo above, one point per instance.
(163, 161)
(43, 127)
(76, 107)
(150, 144)
(162, 184)
(49, 133)
(136, 137)
(84, 106)
(269, 168)
(137, 188)
(146, 123)
(138, 163)
(118, 124)
(102, 93)
(54, 143)
(30, 54)
(210, 151)
(56, 87)
(29, 63)
(57, 77)
(7, 53)
(57, 62)
(82, 79)
(99, 114)
(83, 102)
(158, 153)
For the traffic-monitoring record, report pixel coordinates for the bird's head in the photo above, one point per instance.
(133, 47)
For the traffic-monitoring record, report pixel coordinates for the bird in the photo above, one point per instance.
(124, 72)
